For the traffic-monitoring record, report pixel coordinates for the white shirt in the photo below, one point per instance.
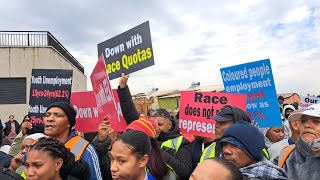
(275, 148)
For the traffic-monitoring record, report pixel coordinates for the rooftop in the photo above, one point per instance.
(36, 39)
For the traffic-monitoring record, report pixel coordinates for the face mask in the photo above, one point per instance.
(314, 145)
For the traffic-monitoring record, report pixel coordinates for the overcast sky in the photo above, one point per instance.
(191, 40)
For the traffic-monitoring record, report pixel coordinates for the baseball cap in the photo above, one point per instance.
(225, 114)
(231, 113)
(313, 110)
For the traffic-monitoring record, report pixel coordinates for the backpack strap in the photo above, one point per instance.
(77, 145)
(284, 154)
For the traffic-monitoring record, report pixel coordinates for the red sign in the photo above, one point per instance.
(196, 108)
(87, 119)
(104, 96)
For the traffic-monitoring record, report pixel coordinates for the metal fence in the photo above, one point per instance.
(36, 38)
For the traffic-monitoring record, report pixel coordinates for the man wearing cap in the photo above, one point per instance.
(301, 161)
(274, 149)
(227, 116)
(242, 144)
(58, 121)
(175, 148)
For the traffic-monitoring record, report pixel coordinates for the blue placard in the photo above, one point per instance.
(256, 80)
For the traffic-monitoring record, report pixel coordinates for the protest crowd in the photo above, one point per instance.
(152, 147)
(246, 132)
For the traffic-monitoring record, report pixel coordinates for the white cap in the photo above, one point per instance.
(35, 136)
(313, 110)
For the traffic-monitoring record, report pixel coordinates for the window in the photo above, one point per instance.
(13, 91)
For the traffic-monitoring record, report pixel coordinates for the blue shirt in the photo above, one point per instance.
(91, 157)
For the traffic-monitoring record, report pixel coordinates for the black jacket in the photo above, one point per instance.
(102, 148)
(182, 162)
(7, 130)
(5, 160)
(196, 149)
(128, 109)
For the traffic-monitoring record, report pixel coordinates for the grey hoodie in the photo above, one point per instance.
(302, 163)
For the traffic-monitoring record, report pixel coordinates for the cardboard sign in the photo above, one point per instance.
(196, 108)
(306, 101)
(87, 119)
(47, 86)
(128, 52)
(104, 96)
(256, 80)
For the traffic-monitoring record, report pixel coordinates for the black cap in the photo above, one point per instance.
(231, 113)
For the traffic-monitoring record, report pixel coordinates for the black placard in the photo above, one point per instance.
(128, 52)
(47, 86)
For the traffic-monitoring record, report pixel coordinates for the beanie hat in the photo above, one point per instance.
(248, 136)
(68, 109)
(145, 125)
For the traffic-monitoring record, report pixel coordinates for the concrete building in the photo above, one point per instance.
(20, 52)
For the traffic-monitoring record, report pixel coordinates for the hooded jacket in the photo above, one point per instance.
(181, 163)
(287, 130)
(302, 163)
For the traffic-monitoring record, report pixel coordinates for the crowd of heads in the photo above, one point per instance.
(244, 146)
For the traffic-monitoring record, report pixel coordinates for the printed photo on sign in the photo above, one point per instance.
(196, 108)
(256, 80)
(128, 52)
(47, 86)
(104, 96)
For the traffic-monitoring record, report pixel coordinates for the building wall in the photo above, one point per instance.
(19, 62)
(169, 103)
(292, 99)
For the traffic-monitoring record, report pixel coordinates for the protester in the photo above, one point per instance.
(242, 144)
(197, 147)
(175, 148)
(58, 121)
(227, 116)
(25, 119)
(281, 103)
(301, 161)
(130, 154)
(106, 137)
(18, 161)
(5, 159)
(16, 144)
(287, 110)
(216, 169)
(273, 134)
(274, 149)
(48, 158)
(11, 130)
